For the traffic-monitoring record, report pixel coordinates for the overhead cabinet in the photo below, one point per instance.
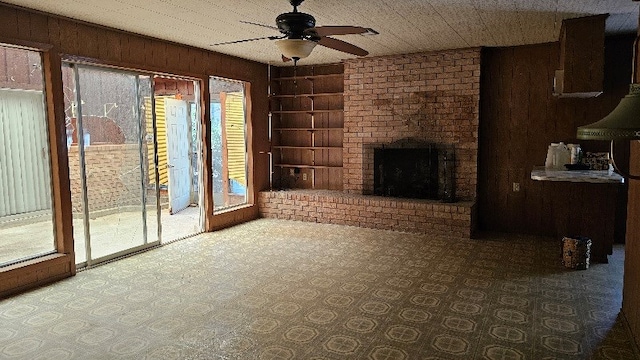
(581, 71)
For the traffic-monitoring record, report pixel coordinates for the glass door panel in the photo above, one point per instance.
(76, 181)
(149, 148)
(111, 187)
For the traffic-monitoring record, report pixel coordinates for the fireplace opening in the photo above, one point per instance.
(406, 172)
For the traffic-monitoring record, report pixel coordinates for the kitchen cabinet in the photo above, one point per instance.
(581, 72)
(579, 197)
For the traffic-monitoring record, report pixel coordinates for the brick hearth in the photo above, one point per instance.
(376, 212)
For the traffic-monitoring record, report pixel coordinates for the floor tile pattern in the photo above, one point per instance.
(277, 290)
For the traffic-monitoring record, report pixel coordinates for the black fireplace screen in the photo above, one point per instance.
(408, 173)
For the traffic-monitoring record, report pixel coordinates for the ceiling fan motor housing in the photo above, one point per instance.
(294, 24)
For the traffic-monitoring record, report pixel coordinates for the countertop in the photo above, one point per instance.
(540, 173)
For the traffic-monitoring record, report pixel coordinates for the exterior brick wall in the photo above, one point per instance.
(333, 207)
(432, 97)
(113, 176)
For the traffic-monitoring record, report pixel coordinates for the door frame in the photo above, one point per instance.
(199, 154)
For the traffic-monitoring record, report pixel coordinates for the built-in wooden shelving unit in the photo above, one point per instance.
(307, 119)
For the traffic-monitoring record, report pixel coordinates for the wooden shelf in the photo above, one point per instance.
(298, 124)
(306, 111)
(308, 166)
(293, 96)
(309, 129)
(307, 147)
(307, 77)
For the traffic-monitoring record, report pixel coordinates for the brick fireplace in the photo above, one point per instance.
(426, 97)
(432, 97)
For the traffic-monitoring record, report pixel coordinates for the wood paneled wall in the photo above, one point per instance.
(631, 287)
(61, 38)
(520, 118)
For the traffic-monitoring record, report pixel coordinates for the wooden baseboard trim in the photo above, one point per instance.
(34, 273)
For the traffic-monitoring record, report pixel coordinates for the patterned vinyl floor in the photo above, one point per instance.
(273, 289)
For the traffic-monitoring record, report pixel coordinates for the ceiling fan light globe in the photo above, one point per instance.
(295, 48)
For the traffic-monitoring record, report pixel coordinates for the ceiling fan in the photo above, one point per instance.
(300, 35)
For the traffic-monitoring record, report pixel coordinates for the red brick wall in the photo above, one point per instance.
(113, 176)
(432, 97)
(376, 212)
(20, 69)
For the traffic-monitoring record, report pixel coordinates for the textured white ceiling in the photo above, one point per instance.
(405, 26)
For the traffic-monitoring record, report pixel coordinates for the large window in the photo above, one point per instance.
(228, 143)
(26, 214)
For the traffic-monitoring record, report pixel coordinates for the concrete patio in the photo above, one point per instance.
(111, 233)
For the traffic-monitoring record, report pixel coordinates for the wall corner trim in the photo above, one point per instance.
(634, 345)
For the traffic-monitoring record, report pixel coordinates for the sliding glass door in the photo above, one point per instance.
(114, 196)
(134, 160)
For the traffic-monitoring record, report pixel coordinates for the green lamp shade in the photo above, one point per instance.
(623, 123)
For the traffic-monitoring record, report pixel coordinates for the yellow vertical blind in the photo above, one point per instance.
(235, 123)
(161, 138)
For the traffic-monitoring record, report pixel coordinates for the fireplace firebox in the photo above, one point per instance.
(406, 172)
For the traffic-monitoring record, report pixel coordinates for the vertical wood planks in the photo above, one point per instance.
(39, 25)
(631, 288)
(111, 47)
(519, 118)
(9, 23)
(53, 24)
(535, 147)
(68, 37)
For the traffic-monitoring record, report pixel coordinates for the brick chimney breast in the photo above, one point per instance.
(432, 97)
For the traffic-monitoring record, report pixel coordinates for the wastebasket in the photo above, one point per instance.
(576, 251)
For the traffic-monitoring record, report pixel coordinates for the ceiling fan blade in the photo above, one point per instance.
(285, 59)
(342, 46)
(339, 30)
(257, 24)
(247, 40)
